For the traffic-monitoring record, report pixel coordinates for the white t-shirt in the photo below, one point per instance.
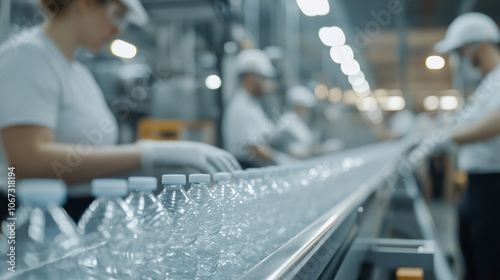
(481, 156)
(245, 124)
(39, 86)
(298, 128)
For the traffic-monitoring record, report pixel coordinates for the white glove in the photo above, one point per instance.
(204, 157)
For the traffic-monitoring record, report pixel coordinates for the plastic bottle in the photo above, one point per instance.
(110, 226)
(181, 256)
(250, 253)
(230, 239)
(209, 213)
(46, 239)
(155, 225)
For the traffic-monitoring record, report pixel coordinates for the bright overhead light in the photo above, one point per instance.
(123, 49)
(341, 54)
(213, 82)
(350, 67)
(332, 36)
(335, 94)
(366, 104)
(393, 103)
(321, 91)
(376, 116)
(357, 79)
(431, 103)
(313, 8)
(434, 62)
(364, 93)
(361, 88)
(448, 103)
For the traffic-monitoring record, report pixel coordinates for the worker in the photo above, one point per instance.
(472, 38)
(54, 121)
(247, 130)
(300, 141)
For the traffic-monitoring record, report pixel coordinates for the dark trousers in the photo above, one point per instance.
(479, 227)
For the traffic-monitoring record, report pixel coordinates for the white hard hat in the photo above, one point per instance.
(137, 14)
(466, 29)
(300, 96)
(254, 61)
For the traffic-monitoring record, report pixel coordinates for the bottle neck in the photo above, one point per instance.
(113, 202)
(42, 206)
(199, 185)
(173, 187)
(175, 191)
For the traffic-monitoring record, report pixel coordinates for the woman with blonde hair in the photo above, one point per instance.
(54, 121)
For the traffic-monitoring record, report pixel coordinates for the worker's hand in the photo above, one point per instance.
(204, 157)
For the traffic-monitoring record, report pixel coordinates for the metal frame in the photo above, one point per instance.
(339, 243)
(290, 259)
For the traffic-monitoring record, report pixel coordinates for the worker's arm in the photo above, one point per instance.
(263, 152)
(482, 130)
(31, 149)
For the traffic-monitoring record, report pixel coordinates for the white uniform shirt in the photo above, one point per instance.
(39, 86)
(245, 124)
(298, 128)
(481, 156)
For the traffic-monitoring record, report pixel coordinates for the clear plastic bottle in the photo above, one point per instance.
(250, 253)
(181, 255)
(209, 214)
(46, 239)
(111, 229)
(155, 224)
(230, 239)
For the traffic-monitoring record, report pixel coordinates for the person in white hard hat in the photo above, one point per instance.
(54, 121)
(301, 142)
(300, 102)
(247, 131)
(473, 38)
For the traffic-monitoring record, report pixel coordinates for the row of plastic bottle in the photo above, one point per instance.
(210, 231)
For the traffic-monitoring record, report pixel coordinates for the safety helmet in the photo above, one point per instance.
(466, 29)
(300, 96)
(254, 61)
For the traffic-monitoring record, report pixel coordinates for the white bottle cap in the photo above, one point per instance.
(147, 184)
(240, 174)
(39, 192)
(109, 187)
(222, 176)
(199, 178)
(173, 179)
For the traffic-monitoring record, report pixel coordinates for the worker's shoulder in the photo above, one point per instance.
(25, 46)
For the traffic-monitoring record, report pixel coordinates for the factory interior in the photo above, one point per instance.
(306, 139)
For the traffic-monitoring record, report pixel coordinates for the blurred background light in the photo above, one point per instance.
(434, 62)
(123, 49)
(213, 82)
